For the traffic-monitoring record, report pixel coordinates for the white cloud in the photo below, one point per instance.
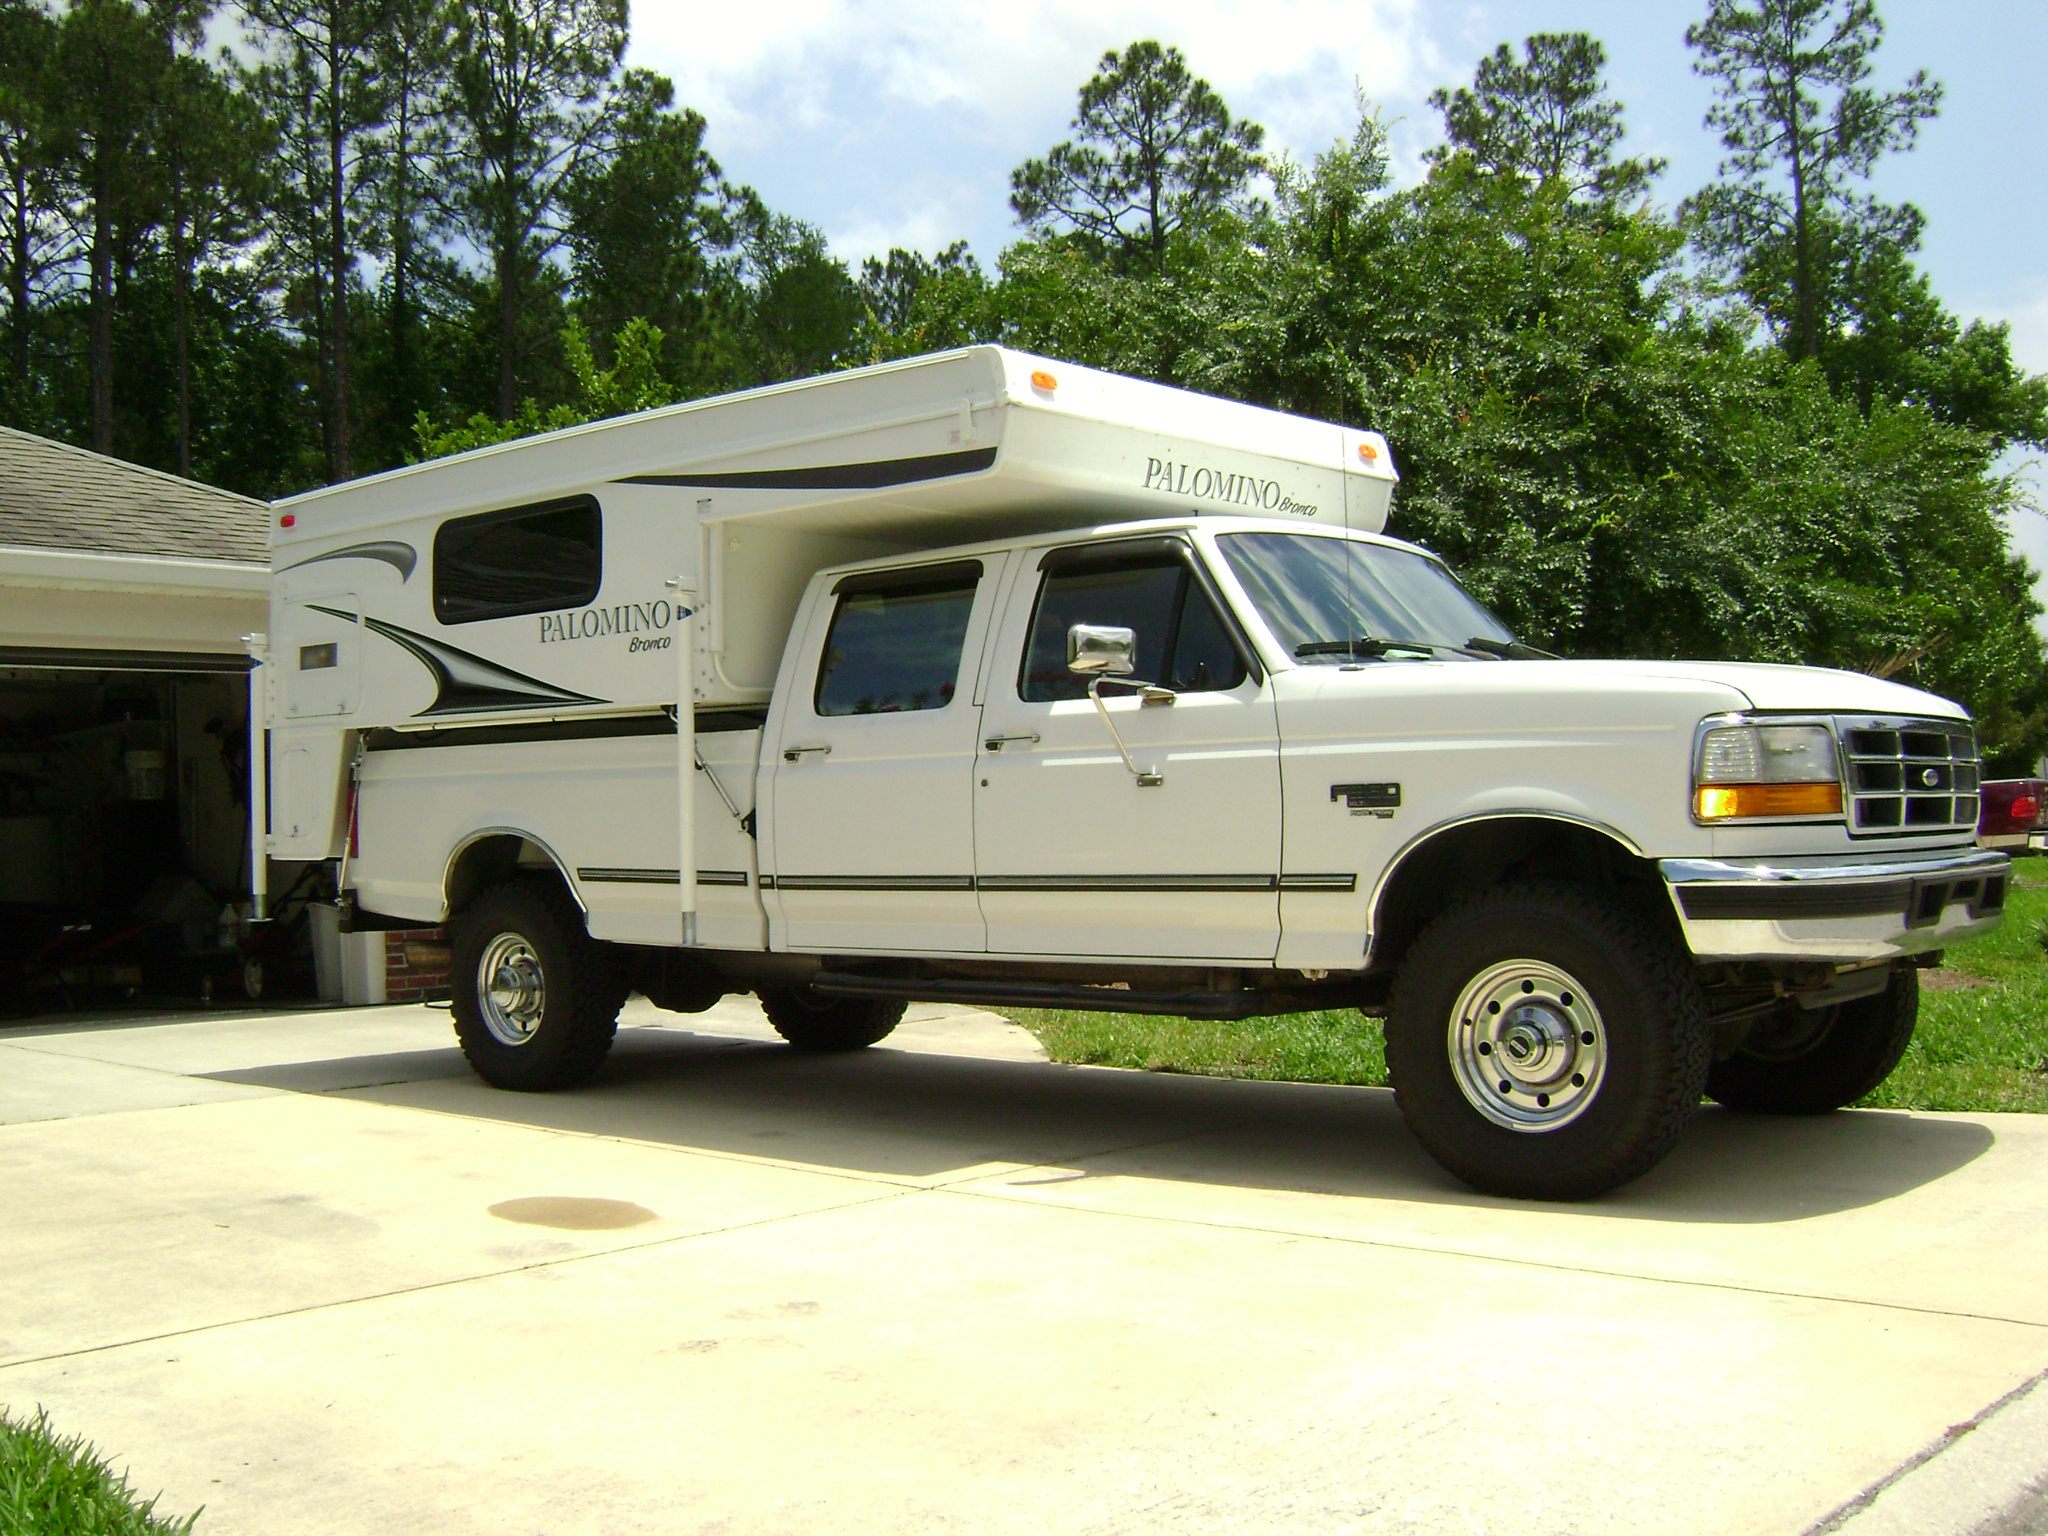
(902, 117)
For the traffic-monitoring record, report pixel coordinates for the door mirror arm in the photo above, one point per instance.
(1107, 653)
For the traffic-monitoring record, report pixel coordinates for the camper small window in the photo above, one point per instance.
(529, 559)
(313, 658)
(895, 646)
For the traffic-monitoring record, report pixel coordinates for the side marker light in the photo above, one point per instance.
(1040, 379)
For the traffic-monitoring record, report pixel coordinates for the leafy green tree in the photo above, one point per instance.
(654, 229)
(103, 77)
(211, 141)
(633, 383)
(323, 86)
(530, 85)
(803, 310)
(403, 164)
(1545, 117)
(1802, 129)
(31, 234)
(1156, 150)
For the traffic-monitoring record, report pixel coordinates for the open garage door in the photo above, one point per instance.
(124, 829)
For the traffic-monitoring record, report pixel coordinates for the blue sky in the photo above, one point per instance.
(897, 122)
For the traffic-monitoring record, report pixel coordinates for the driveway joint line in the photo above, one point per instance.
(452, 1281)
(1509, 1259)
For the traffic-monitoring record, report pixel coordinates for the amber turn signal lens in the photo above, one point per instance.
(1738, 802)
(1043, 380)
(1367, 452)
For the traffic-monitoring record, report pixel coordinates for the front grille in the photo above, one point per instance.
(1909, 776)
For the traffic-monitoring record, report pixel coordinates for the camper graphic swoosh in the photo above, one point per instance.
(875, 474)
(466, 684)
(399, 556)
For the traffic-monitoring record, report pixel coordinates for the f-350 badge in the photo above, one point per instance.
(1380, 800)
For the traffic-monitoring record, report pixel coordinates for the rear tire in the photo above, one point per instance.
(811, 1022)
(1796, 1064)
(535, 999)
(1546, 1043)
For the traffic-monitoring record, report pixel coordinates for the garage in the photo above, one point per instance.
(124, 741)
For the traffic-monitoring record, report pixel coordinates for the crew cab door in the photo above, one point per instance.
(1073, 855)
(868, 833)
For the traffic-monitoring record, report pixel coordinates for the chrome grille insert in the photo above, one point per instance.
(1909, 775)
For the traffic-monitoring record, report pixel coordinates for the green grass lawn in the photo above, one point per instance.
(53, 1486)
(1982, 1041)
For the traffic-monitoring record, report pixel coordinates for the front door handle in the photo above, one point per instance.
(796, 754)
(996, 743)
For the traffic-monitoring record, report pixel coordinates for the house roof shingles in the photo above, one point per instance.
(54, 496)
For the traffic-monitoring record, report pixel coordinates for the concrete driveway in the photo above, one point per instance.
(306, 1271)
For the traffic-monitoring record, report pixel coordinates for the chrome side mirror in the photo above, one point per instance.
(1099, 652)
(1102, 650)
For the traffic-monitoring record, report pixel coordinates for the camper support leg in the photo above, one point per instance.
(686, 757)
(258, 646)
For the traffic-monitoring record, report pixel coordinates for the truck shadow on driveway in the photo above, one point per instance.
(925, 1117)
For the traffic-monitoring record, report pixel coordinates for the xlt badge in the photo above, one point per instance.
(1379, 800)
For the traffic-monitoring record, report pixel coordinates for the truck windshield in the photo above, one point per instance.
(1331, 600)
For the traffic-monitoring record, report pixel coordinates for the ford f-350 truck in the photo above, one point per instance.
(984, 678)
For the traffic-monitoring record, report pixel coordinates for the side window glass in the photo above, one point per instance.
(1145, 598)
(1182, 640)
(894, 649)
(522, 560)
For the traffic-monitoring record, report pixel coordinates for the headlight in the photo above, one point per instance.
(1747, 771)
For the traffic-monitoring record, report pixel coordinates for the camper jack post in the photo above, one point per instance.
(258, 647)
(686, 757)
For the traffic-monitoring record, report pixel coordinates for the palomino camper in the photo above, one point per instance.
(1013, 682)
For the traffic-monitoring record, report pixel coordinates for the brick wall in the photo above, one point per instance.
(415, 965)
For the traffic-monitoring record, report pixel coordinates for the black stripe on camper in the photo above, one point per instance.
(833, 477)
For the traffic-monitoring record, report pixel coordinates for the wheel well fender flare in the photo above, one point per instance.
(491, 854)
(1441, 860)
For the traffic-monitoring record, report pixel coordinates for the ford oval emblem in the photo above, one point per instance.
(1930, 777)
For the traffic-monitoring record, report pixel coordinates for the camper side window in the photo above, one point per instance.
(522, 560)
(896, 640)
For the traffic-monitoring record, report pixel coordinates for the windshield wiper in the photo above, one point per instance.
(1510, 650)
(1375, 647)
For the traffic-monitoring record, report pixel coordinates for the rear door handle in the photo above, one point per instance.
(995, 743)
(796, 754)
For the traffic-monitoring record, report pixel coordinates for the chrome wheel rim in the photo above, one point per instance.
(511, 993)
(1527, 1046)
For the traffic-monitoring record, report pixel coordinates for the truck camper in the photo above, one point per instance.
(988, 678)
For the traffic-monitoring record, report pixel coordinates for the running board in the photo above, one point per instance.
(995, 992)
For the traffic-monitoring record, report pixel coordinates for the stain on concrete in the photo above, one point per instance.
(573, 1213)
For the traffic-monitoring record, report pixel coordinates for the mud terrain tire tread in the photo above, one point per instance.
(1859, 1051)
(585, 982)
(825, 1024)
(1659, 1042)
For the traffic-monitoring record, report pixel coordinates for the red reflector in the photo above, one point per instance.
(287, 520)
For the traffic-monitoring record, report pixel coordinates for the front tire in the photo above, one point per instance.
(535, 999)
(811, 1022)
(1809, 1062)
(1546, 1043)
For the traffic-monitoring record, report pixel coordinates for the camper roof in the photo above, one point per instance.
(975, 443)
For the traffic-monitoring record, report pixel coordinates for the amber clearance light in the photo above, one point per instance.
(1040, 379)
(1737, 802)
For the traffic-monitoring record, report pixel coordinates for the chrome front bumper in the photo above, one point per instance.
(1836, 907)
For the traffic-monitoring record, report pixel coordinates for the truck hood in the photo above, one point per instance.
(1819, 689)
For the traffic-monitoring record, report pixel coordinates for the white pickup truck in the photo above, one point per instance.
(1017, 684)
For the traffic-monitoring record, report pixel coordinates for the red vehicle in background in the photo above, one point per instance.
(2009, 814)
